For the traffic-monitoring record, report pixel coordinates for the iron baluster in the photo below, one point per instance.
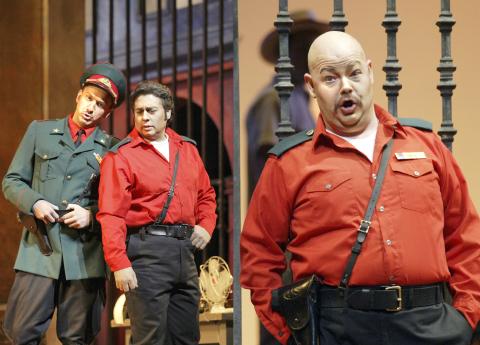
(203, 119)
(391, 86)
(283, 68)
(128, 64)
(190, 71)
(110, 51)
(159, 41)
(446, 69)
(221, 177)
(338, 21)
(143, 12)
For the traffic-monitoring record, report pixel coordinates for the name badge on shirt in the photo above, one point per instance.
(410, 155)
(98, 157)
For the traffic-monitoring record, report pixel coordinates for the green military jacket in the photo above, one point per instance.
(48, 166)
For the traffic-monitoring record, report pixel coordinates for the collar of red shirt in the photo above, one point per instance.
(386, 121)
(137, 138)
(74, 128)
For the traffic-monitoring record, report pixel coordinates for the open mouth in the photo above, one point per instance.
(347, 107)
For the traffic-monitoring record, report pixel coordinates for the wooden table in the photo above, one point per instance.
(215, 328)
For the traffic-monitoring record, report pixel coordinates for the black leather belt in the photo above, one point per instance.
(382, 298)
(180, 231)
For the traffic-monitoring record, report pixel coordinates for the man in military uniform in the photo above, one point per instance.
(155, 195)
(53, 176)
(311, 200)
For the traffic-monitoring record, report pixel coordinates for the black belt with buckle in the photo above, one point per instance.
(381, 298)
(180, 231)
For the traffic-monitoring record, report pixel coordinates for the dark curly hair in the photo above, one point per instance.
(148, 87)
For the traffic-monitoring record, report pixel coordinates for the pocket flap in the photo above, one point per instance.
(414, 168)
(328, 182)
(46, 154)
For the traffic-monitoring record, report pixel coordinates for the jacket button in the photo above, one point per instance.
(69, 177)
(328, 186)
(416, 173)
(45, 156)
(64, 202)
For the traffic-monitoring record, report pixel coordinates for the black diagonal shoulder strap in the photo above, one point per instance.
(171, 191)
(365, 223)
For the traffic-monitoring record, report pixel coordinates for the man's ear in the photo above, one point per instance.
(370, 70)
(309, 82)
(79, 94)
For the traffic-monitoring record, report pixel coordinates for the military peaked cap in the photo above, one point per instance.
(109, 78)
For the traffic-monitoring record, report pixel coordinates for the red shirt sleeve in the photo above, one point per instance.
(114, 202)
(461, 234)
(264, 234)
(205, 215)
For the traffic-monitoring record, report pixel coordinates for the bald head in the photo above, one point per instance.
(341, 80)
(334, 45)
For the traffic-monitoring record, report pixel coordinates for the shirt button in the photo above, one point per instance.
(374, 176)
(69, 177)
(64, 202)
(391, 278)
(280, 333)
(381, 208)
(389, 242)
(416, 173)
(45, 156)
(328, 186)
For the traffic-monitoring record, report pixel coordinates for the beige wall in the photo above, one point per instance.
(418, 50)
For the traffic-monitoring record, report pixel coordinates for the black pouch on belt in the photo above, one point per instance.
(296, 303)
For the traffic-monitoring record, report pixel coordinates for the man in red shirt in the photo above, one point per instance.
(312, 196)
(156, 196)
(53, 177)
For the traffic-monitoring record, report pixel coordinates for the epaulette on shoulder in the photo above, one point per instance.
(416, 123)
(114, 141)
(290, 142)
(189, 140)
(122, 142)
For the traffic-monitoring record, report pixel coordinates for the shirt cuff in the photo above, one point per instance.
(207, 225)
(119, 263)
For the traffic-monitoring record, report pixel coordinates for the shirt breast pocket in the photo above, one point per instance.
(417, 183)
(329, 196)
(45, 164)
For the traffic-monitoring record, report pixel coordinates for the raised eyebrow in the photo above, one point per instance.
(327, 69)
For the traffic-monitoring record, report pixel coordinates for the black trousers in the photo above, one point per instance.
(33, 299)
(439, 324)
(164, 307)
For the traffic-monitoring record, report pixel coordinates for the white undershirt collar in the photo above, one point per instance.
(365, 141)
(162, 146)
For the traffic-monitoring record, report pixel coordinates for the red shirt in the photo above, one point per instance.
(74, 130)
(425, 228)
(133, 189)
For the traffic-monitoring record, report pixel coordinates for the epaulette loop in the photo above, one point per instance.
(122, 142)
(189, 140)
(290, 142)
(416, 123)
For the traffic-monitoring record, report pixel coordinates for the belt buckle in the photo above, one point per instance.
(398, 289)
